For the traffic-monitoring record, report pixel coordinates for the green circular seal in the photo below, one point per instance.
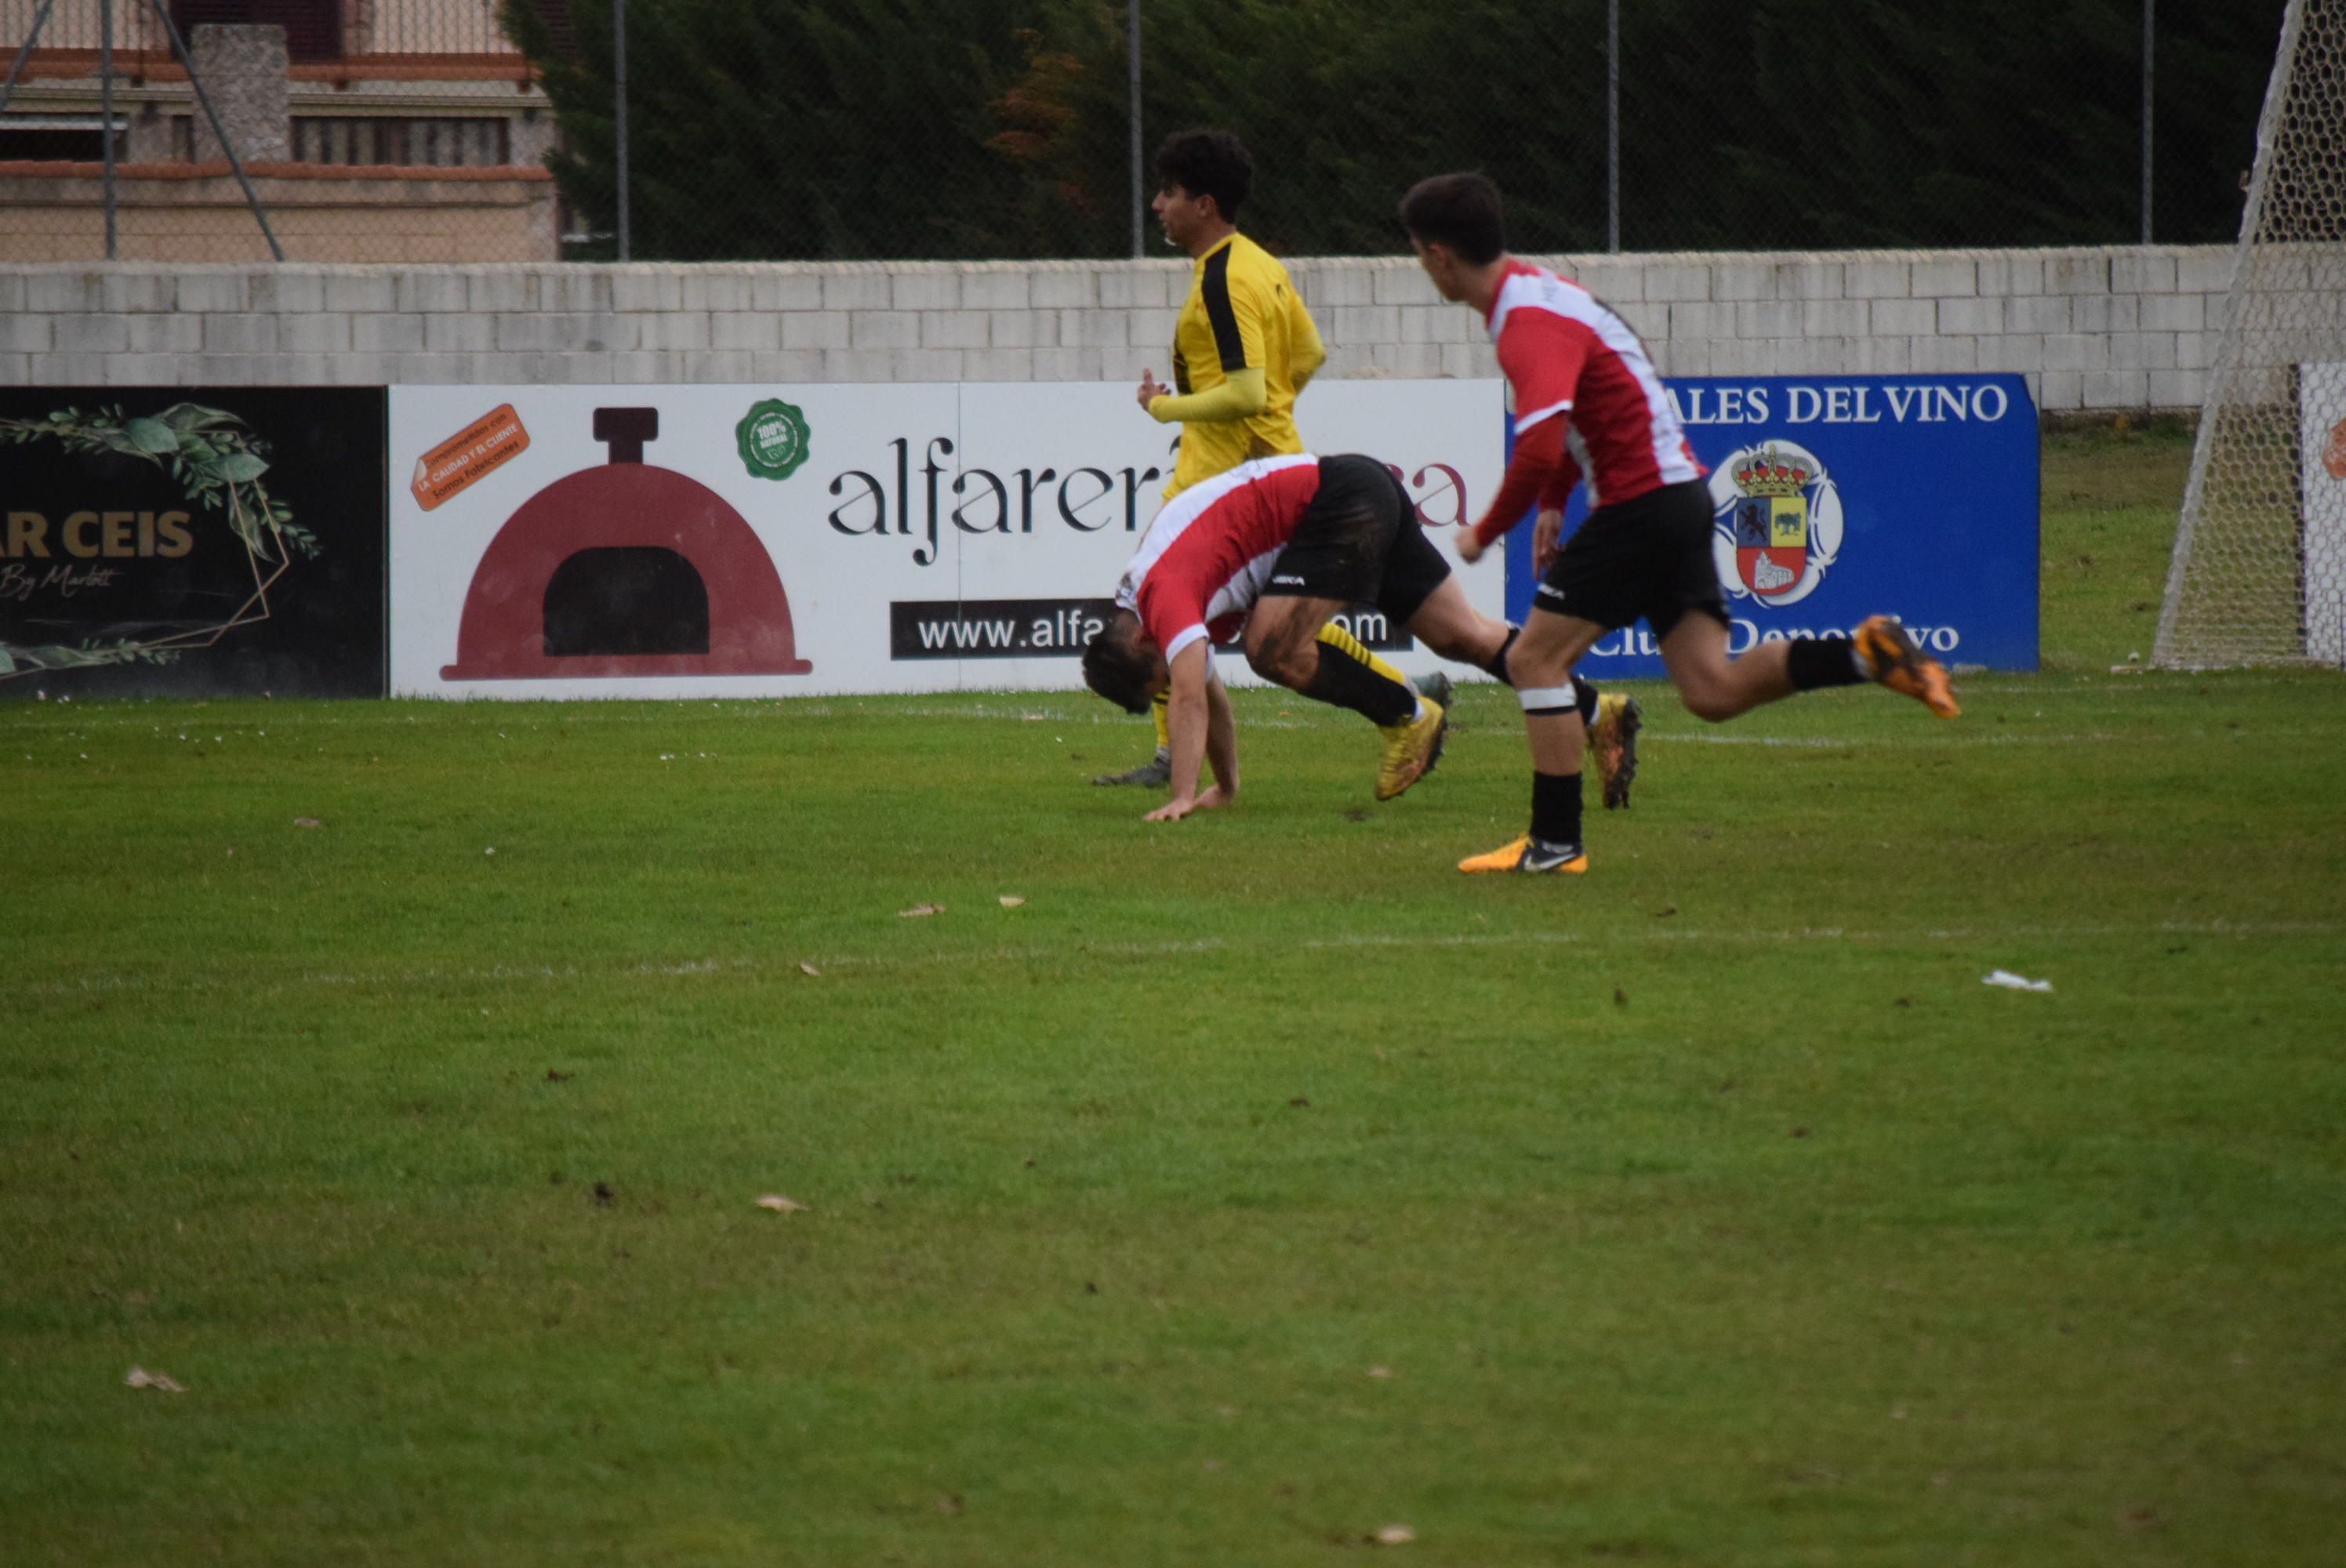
(773, 439)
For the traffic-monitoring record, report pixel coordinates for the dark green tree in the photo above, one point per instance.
(788, 128)
(910, 128)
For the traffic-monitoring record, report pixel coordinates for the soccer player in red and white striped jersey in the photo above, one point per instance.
(1590, 408)
(1277, 546)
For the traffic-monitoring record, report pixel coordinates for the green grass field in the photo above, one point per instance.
(1258, 1185)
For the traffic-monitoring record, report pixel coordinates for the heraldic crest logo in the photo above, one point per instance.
(773, 439)
(1778, 520)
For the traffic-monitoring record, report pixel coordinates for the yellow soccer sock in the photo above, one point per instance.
(1336, 639)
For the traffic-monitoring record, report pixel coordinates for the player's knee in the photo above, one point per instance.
(1527, 668)
(1713, 705)
(1283, 660)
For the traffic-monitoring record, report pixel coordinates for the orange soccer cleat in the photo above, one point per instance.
(1529, 855)
(1892, 659)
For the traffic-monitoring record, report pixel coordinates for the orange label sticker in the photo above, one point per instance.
(472, 454)
(2334, 457)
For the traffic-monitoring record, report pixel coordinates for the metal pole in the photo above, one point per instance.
(1132, 44)
(25, 53)
(2149, 11)
(105, 111)
(235, 163)
(619, 109)
(1613, 125)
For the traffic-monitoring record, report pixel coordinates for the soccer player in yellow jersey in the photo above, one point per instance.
(1243, 347)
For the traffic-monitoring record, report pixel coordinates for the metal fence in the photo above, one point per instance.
(750, 129)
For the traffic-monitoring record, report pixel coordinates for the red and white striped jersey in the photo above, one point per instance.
(1563, 351)
(1204, 561)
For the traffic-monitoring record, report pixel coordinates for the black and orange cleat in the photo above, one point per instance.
(1891, 659)
(1528, 855)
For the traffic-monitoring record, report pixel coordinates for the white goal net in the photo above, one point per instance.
(2260, 567)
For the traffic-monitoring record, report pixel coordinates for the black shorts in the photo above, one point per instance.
(1651, 557)
(1359, 542)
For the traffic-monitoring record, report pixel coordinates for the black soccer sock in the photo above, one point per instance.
(1585, 697)
(1380, 698)
(1497, 666)
(1556, 808)
(1827, 661)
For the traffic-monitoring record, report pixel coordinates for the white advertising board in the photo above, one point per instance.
(2322, 413)
(741, 541)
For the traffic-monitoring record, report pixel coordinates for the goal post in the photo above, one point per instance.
(2259, 573)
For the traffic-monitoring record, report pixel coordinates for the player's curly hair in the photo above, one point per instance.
(1209, 163)
(1460, 210)
(1115, 668)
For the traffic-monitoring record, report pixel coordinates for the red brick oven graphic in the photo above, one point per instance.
(623, 570)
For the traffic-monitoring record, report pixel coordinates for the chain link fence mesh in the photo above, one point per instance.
(894, 129)
(2260, 566)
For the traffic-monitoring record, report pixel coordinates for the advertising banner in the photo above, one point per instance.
(1838, 497)
(728, 541)
(192, 541)
(2321, 415)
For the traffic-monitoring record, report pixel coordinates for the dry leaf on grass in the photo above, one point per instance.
(1394, 1535)
(306, 822)
(782, 1204)
(806, 967)
(1011, 901)
(140, 1378)
(919, 909)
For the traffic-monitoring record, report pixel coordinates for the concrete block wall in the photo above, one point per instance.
(2103, 329)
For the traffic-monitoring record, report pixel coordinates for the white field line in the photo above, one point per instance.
(1041, 706)
(782, 964)
(1958, 736)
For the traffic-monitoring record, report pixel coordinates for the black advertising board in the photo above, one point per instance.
(192, 541)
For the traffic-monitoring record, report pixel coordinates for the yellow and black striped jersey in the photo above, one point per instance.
(1243, 311)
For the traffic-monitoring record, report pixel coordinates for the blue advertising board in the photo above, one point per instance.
(1838, 497)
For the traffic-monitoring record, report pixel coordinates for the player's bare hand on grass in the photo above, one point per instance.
(1546, 528)
(1151, 389)
(1174, 810)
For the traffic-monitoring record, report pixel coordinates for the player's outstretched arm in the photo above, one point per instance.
(1539, 458)
(1185, 717)
(1221, 742)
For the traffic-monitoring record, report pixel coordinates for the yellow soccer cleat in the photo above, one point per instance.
(1411, 748)
(1613, 745)
(1892, 659)
(1529, 855)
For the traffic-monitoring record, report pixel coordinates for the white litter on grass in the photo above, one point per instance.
(2011, 982)
(140, 1378)
(780, 1205)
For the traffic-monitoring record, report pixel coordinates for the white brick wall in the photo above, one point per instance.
(2110, 328)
